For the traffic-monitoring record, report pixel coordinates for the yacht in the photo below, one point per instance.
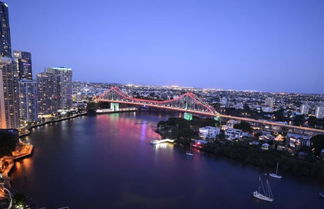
(263, 193)
(275, 175)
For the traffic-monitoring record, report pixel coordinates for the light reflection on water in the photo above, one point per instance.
(24, 166)
(163, 147)
(107, 160)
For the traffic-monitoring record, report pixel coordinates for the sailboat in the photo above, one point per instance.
(263, 193)
(275, 175)
(189, 153)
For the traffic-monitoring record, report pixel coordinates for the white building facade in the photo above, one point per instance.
(209, 132)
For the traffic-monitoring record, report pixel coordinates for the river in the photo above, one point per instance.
(106, 161)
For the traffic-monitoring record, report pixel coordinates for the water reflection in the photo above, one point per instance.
(111, 155)
(24, 166)
(163, 147)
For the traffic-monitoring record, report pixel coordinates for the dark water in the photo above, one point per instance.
(105, 161)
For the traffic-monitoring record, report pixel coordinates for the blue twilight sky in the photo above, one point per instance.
(268, 45)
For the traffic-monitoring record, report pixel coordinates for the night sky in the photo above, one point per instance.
(268, 45)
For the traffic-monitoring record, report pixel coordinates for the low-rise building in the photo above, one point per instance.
(233, 133)
(265, 146)
(209, 132)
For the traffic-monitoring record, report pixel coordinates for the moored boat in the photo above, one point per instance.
(263, 193)
(275, 175)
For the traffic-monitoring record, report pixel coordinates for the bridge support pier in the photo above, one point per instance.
(114, 106)
(187, 116)
(217, 118)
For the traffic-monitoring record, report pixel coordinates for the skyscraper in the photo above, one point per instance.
(10, 91)
(27, 101)
(64, 76)
(24, 64)
(5, 40)
(9, 71)
(47, 93)
(54, 88)
(3, 123)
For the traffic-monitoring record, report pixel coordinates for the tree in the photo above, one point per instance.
(279, 115)
(92, 107)
(20, 200)
(244, 126)
(317, 144)
(246, 108)
(312, 121)
(298, 120)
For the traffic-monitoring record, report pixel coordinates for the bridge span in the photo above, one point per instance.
(188, 103)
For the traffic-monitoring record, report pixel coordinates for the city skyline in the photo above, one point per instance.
(160, 106)
(274, 47)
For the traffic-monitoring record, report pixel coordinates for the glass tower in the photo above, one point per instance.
(5, 40)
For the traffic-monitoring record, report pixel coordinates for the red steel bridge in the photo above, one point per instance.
(188, 103)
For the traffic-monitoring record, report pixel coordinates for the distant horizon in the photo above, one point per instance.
(183, 86)
(274, 46)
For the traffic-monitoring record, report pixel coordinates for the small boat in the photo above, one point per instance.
(275, 175)
(321, 194)
(189, 153)
(263, 193)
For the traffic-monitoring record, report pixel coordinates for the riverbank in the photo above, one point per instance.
(245, 151)
(27, 131)
(7, 162)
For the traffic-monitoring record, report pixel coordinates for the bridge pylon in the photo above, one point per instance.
(187, 116)
(114, 106)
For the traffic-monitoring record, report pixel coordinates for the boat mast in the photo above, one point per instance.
(269, 190)
(263, 190)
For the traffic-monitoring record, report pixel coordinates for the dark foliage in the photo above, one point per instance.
(8, 141)
(244, 126)
(317, 144)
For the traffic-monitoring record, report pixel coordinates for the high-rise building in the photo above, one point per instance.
(5, 40)
(64, 76)
(9, 71)
(10, 91)
(47, 93)
(28, 101)
(304, 109)
(319, 113)
(3, 123)
(24, 64)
